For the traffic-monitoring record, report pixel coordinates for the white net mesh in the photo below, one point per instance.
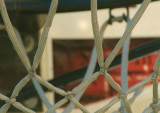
(74, 95)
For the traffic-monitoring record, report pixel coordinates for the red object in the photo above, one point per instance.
(138, 70)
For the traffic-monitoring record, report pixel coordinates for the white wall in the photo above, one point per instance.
(77, 25)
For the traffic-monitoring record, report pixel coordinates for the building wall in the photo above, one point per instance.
(77, 25)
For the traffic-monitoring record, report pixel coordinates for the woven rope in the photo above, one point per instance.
(74, 95)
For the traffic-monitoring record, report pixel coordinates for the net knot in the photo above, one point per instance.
(153, 106)
(32, 74)
(122, 96)
(102, 70)
(154, 76)
(69, 95)
(10, 100)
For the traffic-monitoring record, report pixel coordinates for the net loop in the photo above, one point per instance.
(119, 19)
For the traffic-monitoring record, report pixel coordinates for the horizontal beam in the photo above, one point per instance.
(62, 81)
(42, 6)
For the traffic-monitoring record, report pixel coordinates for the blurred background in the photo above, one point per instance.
(68, 49)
